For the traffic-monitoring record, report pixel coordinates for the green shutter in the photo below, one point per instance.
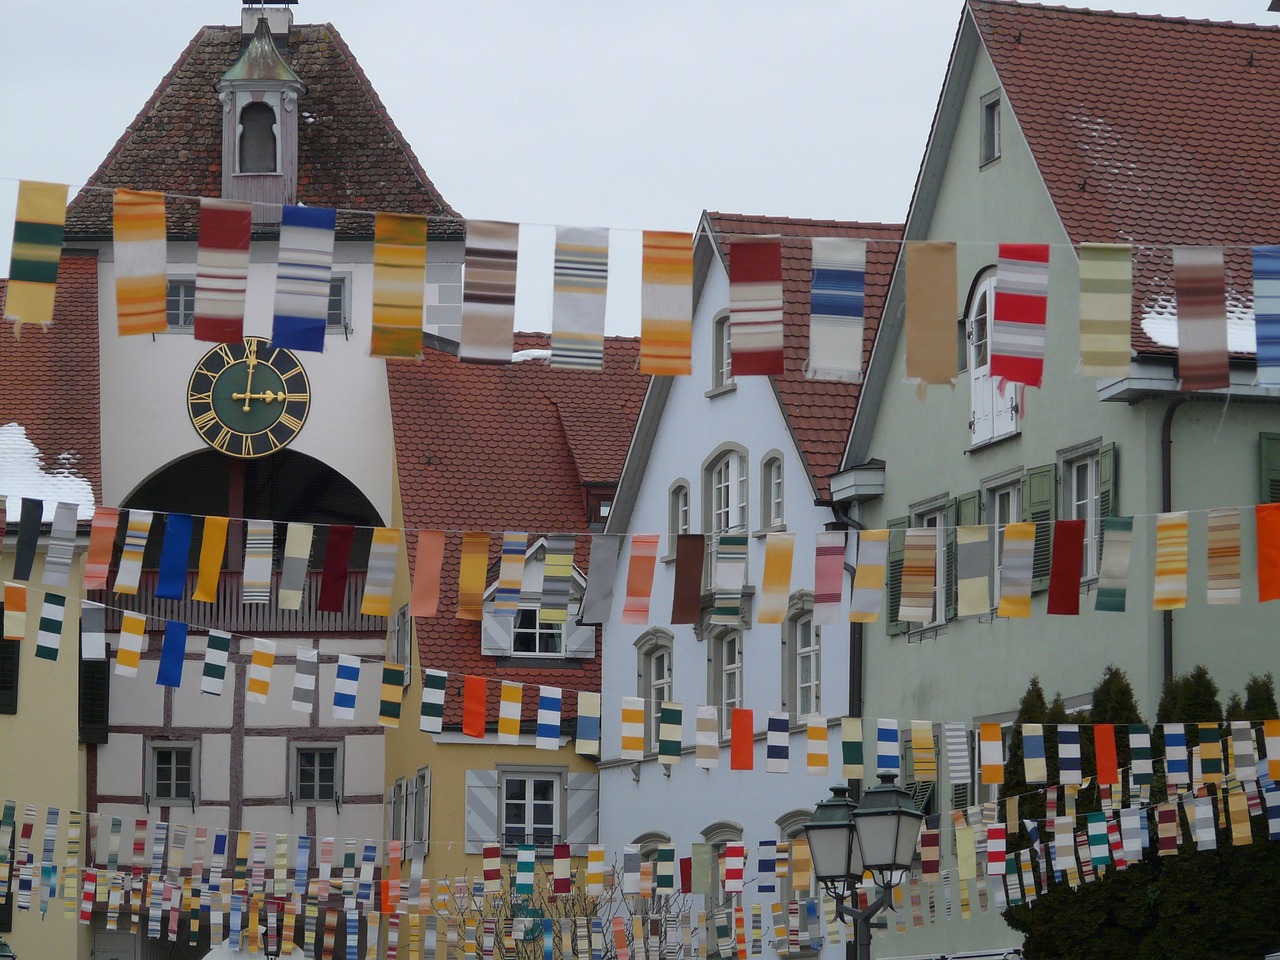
(897, 551)
(10, 659)
(949, 559)
(1107, 490)
(963, 511)
(1040, 506)
(95, 688)
(1268, 467)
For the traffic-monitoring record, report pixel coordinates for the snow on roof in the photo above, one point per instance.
(1160, 323)
(23, 473)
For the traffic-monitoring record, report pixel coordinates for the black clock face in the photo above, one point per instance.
(248, 399)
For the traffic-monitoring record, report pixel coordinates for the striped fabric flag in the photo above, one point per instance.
(471, 575)
(171, 581)
(595, 870)
(1170, 590)
(293, 568)
(431, 719)
(213, 546)
(491, 861)
(578, 302)
(303, 274)
(384, 551)
(1199, 283)
(1070, 772)
(1035, 769)
(1243, 757)
(399, 284)
(561, 877)
(1177, 763)
(930, 269)
(1015, 570)
(817, 756)
(61, 546)
(489, 292)
(996, 842)
(424, 600)
(644, 556)
(305, 670)
(259, 540)
(525, 862)
(557, 578)
(973, 571)
(1021, 305)
(222, 269)
(1200, 810)
(632, 728)
(755, 306)
(735, 859)
(1210, 753)
(49, 631)
(730, 575)
(742, 734)
(930, 845)
(1106, 295)
(924, 761)
(828, 577)
(991, 753)
(173, 652)
(214, 673)
(666, 304)
(919, 576)
(135, 542)
(1113, 577)
(1067, 562)
(138, 236)
(1238, 806)
(587, 741)
(102, 535)
(1140, 754)
(778, 743)
(392, 695)
(707, 738)
(509, 704)
(346, 687)
(868, 578)
(836, 299)
(39, 224)
(506, 599)
(1222, 584)
(851, 755)
(888, 755)
(260, 666)
(133, 640)
(1266, 312)
(550, 701)
(15, 611)
(1271, 744)
(670, 732)
(775, 588)
(956, 738)
(93, 630)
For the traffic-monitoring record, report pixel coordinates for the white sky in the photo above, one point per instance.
(632, 114)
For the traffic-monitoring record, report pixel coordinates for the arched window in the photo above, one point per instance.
(718, 836)
(724, 679)
(801, 659)
(724, 490)
(655, 674)
(771, 514)
(722, 354)
(993, 404)
(257, 139)
(678, 510)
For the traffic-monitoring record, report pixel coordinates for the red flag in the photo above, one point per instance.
(474, 694)
(742, 740)
(1066, 566)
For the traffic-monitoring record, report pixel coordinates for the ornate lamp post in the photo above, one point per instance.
(847, 841)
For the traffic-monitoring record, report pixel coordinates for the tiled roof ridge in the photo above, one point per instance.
(896, 228)
(1117, 14)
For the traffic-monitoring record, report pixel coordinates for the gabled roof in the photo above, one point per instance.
(483, 447)
(350, 153)
(1146, 130)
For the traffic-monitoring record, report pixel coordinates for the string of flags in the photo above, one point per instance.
(487, 311)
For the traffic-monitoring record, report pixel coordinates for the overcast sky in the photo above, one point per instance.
(629, 114)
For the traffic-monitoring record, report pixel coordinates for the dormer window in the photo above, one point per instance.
(989, 143)
(257, 152)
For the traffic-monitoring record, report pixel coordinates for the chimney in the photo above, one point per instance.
(279, 19)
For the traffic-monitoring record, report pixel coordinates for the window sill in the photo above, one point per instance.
(765, 531)
(994, 441)
(930, 632)
(721, 390)
(533, 662)
(987, 164)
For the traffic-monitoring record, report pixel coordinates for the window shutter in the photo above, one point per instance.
(424, 810)
(10, 658)
(95, 687)
(582, 820)
(897, 551)
(495, 633)
(480, 822)
(961, 511)
(410, 816)
(1039, 506)
(579, 641)
(1269, 467)
(1107, 476)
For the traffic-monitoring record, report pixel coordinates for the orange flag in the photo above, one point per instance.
(425, 598)
(1104, 745)
(474, 694)
(475, 560)
(1268, 518)
(742, 741)
(102, 533)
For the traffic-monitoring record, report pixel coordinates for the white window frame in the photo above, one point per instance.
(679, 511)
(772, 512)
(395, 804)
(417, 814)
(295, 770)
(557, 804)
(183, 289)
(339, 296)
(726, 675)
(722, 354)
(935, 516)
(400, 634)
(540, 631)
(993, 413)
(808, 650)
(655, 673)
(153, 782)
(726, 506)
(989, 129)
(1004, 506)
(1076, 466)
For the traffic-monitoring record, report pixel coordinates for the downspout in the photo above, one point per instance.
(1166, 506)
(857, 667)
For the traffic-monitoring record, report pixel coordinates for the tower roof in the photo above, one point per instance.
(261, 60)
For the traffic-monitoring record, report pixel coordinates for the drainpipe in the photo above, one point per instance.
(857, 666)
(1166, 506)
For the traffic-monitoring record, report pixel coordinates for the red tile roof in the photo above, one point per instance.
(819, 413)
(350, 153)
(49, 378)
(1146, 130)
(484, 447)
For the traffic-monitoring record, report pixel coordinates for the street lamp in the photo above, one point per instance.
(847, 841)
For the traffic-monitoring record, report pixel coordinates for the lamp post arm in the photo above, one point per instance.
(855, 915)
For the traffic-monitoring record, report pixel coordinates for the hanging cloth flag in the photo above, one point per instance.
(741, 739)
(730, 575)
(260, 666)
(973, 566)
(1034, 767)
(991, 753)
(888, 757)
(851, 756)
(1104, 746)
(1065, 567)
(1210, 753)
(557, 578)
(425, 598)
(93, 630)
(1222, 584)
(957, 740)
(337, 562)
(828, 577)
(670, 732)
(1170, 591)
(15, 611)
(1271, 747)
(61, 546)
(431, 714)
(489, 292)
(755, 306)
(1200, 287)
(1140, 754)
(1070, 772)
(578, 303)
(305, 671)
(102, 535)
(595, 872)
(259, 540)
(392, 695)
(931, 312)
(471, 575)
(1106, 295)
(597, 600)
(213, 545)
(399, 284)
(778, 743)
(1021, 305)
(138, 235)
(133, 640)
(924, 760)
(836, 301)
(1266, 312)
(303, 274)
(28, 537)
(817, 758)
(214, 673)
(171, 583)
(775, 588)
(644, 555)
(868, 578)
(666, 304)
(38, 227)
(474, 694)
(506, 599)
(222, 269)
(346, 687)
(135, 542)
(686, 589)
(1113, 577)
(173, 652)
(293, 568)
(509, 704)
(587, 736)
(1241, 832)
(49, 634)
(1015, 570)
(384, 551)
(549, 709)
(632, 729)
(919, 576)
(996, 840)
(1267, 518)
(1176, 761)
(707, 738)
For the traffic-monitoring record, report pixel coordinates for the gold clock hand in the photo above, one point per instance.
(251, 361)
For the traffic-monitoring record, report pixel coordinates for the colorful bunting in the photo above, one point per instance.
(346, 687)
(305, 673)
(506, 600)
(259, 541)
(868, 578)
(392, 695)
(510, 701)
(425, 598)
(578, 303)
(851, 748)
(399, 284)
(303, 275)
(666, 304)
(924, 761)
(1035, 769)
(1176, 758)
(49, 633)
(214, 673)
(588, 734)
(549, 708)
(707, 738)
(60, 546)
(741, 739)
(260, 666)
(1140, 754)
(778, 743)
(1106, 294)
(836, 303)
(28, 537)
(930, 269)
(135, 542)
(1113, 577)
(1267, 519)
(973, 571)
(1223, 575)
(213, 545)
(1015, 570)
(489, 292)
(991, 753)
(138, 236)
(93, 630)
(557, 578)
(222, 269)
(133, 640)
(15, 611)
(1266, 312)
(755, 306)
(474, 695)
(597, 601)
(1021, 305)
(670, 732)
(686, 589)
(337, 560)
(171, 583)
(644, 555)
(431, 719)
(919, 576)
(384, 551)
(632, 729)
(888, 757)
(39, 224)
